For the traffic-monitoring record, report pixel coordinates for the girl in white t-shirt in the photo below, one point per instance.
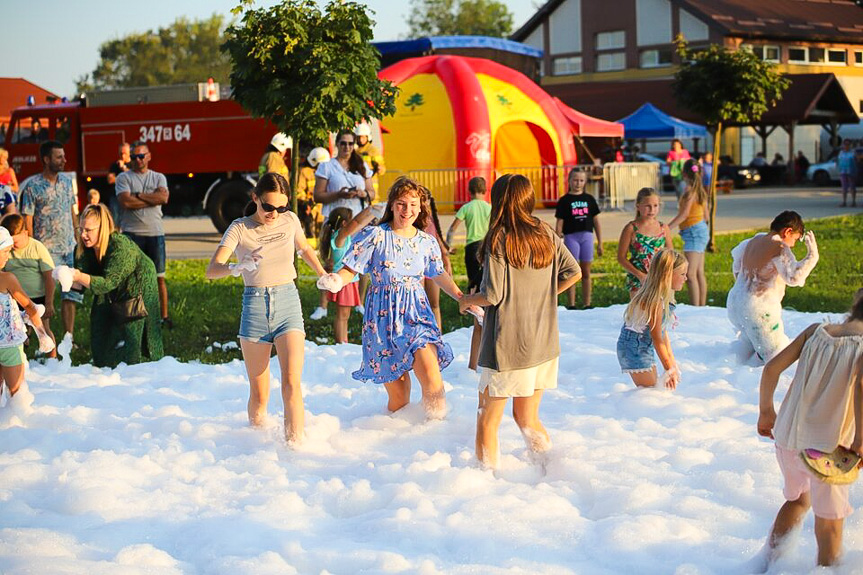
(264, 242)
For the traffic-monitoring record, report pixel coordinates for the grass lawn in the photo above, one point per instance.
(205, 312)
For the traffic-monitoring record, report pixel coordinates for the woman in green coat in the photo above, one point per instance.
(117, 272)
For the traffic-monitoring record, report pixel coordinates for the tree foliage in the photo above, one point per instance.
(725, 86)
(186, 51)
(310, 72)
(453, 17)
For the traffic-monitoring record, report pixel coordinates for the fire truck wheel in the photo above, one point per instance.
(227, 203)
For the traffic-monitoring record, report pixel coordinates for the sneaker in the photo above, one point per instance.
(319, 313)
(360, 309)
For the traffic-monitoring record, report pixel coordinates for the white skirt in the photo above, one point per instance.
(519, 382)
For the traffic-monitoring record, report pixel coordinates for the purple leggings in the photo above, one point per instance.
(580, 245)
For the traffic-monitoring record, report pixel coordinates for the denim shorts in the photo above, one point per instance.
(695, 237)
(635, 351)
(270, 312)
(154, 247)
(74, 295)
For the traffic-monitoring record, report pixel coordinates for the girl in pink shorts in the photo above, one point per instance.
(822, 410)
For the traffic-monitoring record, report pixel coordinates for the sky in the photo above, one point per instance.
(62, 41)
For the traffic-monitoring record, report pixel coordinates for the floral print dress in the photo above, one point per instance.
(642, 248)
(398, 319)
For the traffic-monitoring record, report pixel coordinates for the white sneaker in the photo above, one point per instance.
(319, 313)
(360, 309)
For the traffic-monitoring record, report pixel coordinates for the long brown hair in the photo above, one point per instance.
(269, 182)
(355, 160)
(404, 186)
(337, 218)
(520, 238)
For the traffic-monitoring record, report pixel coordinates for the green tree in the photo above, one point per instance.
(452, 17)
(723, 86)
(184, 52)
(308, 71)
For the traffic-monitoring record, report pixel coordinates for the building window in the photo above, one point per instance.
(611, 40)
(767, 52)
(610, 61)
(858, 58)
(837, 56)
(816, 55)
(655, 58)
(567, 65)
(797, 55)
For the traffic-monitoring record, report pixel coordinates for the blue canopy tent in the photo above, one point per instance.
(650, 122)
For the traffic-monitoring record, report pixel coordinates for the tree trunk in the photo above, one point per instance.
(295, 171)
(717, 137)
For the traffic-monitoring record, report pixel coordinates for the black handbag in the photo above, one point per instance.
(129, 310)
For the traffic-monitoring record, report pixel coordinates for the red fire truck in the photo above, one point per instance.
(209, 151)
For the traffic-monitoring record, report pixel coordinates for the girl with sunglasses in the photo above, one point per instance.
(264, 241)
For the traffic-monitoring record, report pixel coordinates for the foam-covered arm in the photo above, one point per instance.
(793, 272)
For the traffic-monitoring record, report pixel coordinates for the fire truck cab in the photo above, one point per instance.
(208, 150)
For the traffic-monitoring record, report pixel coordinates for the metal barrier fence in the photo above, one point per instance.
(623, 180)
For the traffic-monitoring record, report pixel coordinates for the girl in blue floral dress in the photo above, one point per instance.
(400, 333)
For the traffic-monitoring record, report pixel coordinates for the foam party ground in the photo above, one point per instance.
(153, 469)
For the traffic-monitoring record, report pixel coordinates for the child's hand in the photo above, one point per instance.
(766, 421)
(811, 245)
(599, 249)
(331, 282)
(476, 312)
(671, 377)
(46, 344)
(377, 210)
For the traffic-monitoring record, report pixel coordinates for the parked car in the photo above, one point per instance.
(827, 173)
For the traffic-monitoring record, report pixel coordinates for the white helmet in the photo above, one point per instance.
(282, 142)
(318, 156)
(363, 130)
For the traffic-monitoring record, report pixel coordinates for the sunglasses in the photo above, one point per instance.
(137, 156)
(343, 143)
(271, 208)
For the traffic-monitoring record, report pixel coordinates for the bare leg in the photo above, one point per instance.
(163, 296)
(828, 534)
(257, 359)
(290, 350)
(427, 370)
(585, 283)
(324, 300)
(692, 278)
(790, 515)
(488, 416)
(475, 339)
(644, 378)
(398, 392)
(433, 293)
(525, 411)
(340, 326)
(702, 280)
(67, 314)
(570, 296)
(14, 377)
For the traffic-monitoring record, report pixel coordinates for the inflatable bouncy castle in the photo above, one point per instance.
(458, 117)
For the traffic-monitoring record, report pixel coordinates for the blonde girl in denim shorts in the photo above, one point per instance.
(694, 221)
(264, 241)
(13, 334)
(646, 319)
